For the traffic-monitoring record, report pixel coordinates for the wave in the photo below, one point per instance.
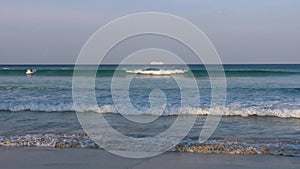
(227, 111)
(156, 72)
(38, 107)
(241, 146)
(66, 71)
(109, 70)
(80, 140)
(219, 146)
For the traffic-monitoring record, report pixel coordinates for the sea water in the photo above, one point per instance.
(261, 113)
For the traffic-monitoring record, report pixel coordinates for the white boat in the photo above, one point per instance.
(30, 72)
(157, 63)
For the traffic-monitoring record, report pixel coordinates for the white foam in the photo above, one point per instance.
(244, 112)
(220, 145)
(40, 107)
(157, 72)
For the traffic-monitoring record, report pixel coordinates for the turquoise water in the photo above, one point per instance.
(262, 109)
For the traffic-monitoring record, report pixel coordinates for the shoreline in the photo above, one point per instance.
(76, 158)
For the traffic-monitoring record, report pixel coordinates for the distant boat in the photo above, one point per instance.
(30, 72)
(157, 63)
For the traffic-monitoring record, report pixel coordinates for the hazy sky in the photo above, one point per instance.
(243, 31)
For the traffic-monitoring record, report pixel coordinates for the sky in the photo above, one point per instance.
(242, 31)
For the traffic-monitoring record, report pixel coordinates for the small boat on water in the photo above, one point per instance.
(157, 63)
(30, 72)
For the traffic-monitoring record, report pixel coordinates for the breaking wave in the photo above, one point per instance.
(156, 72)
(244, 112)
(212, 146)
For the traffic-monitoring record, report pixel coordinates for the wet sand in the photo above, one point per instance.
(42, 158)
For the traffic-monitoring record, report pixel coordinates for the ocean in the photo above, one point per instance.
(261, 113)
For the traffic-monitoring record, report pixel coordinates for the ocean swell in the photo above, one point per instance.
(227, 111)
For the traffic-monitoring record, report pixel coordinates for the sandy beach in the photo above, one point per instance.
(39, 158)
